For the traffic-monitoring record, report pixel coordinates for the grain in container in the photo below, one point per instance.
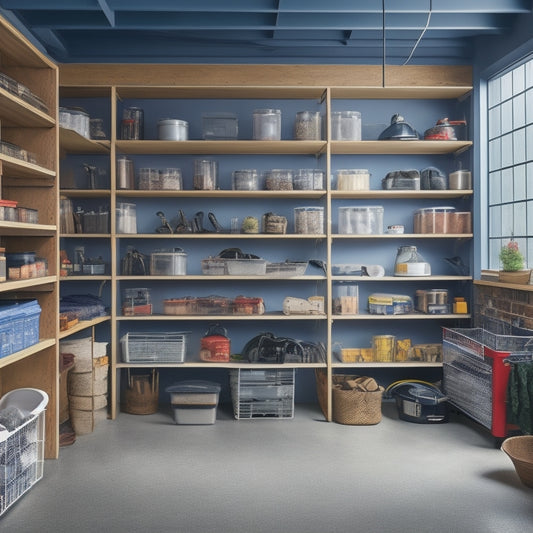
(205, 175)
(432, 220)
(309, 220)
(266, 124)
(171, 179)
(353, 179)
(279, 179)
(308, 179)
(363, 220)
(149, 179)
(168, 262)
(308, 126)
(245, 180)
(172, 129)
(346, 126)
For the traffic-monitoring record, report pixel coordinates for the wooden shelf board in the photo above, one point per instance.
(24, 229)
(402, 278)
(201, 364)
(195, 147)
(86, 236)
(17, 112)
(399, 147)
(404, 236)
(22, 354)
(398, 194)
(514, 286)
(86, 193)
(214, 235)
(267, 316)
(202, 277)
(375, 364)
(219, 193)
(86, 277)
(17, 168)
(408, 316)
(74, 143)
(8, 286)
(82, 325)
(399, 92)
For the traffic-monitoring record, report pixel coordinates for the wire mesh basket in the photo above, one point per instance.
(165, 347)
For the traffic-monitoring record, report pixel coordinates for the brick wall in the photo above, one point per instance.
(503, 311)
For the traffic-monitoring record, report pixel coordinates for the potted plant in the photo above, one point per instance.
(512, 262)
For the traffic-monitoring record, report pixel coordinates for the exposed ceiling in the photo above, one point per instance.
(282, 31)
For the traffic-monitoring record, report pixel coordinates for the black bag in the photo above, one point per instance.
(134, 263)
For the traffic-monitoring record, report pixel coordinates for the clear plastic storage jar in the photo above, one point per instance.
(149, 179)
(126, 218)
(346, 126)
(170, 179)
(345, 298)
(364, 220)
(267, 124)
(432, 220)
(279, 179)
(172, 129)
(132, 123)
(205, 175)
(308, 126)
(308, 179)
(125, 173)
(353, 179)
(309, 220)
(245, 180)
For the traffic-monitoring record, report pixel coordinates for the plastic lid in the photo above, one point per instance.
(194, 385)
(267, 111)
(435, 209)
(353, 171)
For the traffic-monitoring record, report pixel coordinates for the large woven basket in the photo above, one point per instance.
(357, 408)
(520, 451)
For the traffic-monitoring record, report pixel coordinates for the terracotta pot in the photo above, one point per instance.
(520, 277)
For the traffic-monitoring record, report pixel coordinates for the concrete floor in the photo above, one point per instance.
(146, 474)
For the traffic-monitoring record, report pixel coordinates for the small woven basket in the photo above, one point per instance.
(520, 451)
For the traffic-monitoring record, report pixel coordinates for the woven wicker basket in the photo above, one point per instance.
(357, 408)
(520, 451)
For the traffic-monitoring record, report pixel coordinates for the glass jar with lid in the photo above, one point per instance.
(267, 124)
(410, 263)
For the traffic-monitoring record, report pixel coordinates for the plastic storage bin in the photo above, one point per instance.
(205, 175)
(346, 126)
(168, 263)
(309, 220)
(8, 210)
(345, 298)
(220, 126)
(364, 220)
(22, 446)
(19, 325)
(308, 179)
(389, 304)
(126, 218)
(167, 347)
(354, 179)
(194, 401)
(308, 126)
(267, 124)
(136, 302)
(279, 180)
(245, 180)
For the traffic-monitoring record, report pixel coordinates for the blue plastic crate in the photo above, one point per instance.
(19, 325)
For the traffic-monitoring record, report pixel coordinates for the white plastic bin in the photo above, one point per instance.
(194, 401)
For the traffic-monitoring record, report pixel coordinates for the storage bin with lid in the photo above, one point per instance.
(245, 180)
(194, 401)
(308, 126)
(132, 123)
(361, 220)
(126, 217)
(219, 126)
(409, 262)
(170, 179)
(205, 175)
(125, 173)
(267, 124)
(20, 265)
(346, 126)
(172, 129)
(345, 298)
(279, 179)
(353, 179)
(432, 220)
(309, 220)
(307, 179)
(137, 301)
(168, 262)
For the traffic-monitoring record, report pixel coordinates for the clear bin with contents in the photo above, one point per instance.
(307, 179)
(346, 126)
(168, 262)
(137, 301)
(354, 179)
(205, 175)
(267, 125)
(126, 217)
(245, 180)
(345, 298)
(308, 126)
(279, 180)
(364, 220)
(309, 220)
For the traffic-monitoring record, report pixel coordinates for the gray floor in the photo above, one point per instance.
(145, 474)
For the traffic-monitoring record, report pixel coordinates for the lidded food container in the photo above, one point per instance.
(384, 347)
(137, 302)
(219, 126)
(309, 220)
(267, 124)
(215, 345)
(353, 179)
(125, 173)
(126, 217)
(194, 401)
(132, 125)
(245, 180)
(346, 126)
(308, 126)
(308, 179)
(279, 179)
(460, 179)
(345, 298)
(170, 179)
(432, 301)
(172, 262)
(205, 175)
(432, 219)
(149, 179)
(363, 220)
(172, 129)
(410, 263)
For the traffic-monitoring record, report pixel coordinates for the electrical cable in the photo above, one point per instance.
(422, 34)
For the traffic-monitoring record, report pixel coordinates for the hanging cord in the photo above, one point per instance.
(422, 34)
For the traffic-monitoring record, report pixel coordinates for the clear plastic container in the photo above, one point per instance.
(346, 126)
(132, 123)
(279, 180)
(267, 124)
(205, 175)
(410, 263)
(245, 180)
(308, 126)
(149, 179)
(364, 220)
(125, 173)
(3, 271)
(384, 347)
(309, 220)
(353, 179)
(219, 126)
(432, 220)
(308, 179)
(171, 129)
(137, 301)
(168, 262)
(126, 217)
(171, 179)
(345, 298)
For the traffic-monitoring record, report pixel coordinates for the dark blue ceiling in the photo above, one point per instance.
(282, 31)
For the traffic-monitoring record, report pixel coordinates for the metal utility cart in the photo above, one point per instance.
(476, 371)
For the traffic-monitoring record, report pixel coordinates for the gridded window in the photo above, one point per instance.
(510, 129)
